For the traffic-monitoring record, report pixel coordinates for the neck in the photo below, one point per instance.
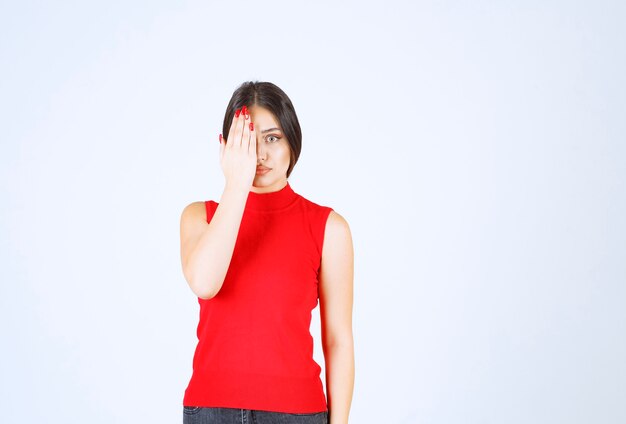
(268, 201)
(278, 185)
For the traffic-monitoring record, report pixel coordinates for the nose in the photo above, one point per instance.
(260, 150)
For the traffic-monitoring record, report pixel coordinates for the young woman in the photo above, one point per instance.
(259, 261)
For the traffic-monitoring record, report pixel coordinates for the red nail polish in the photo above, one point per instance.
(244, 110)
(237, 112)
(220, 138)
(251, 126)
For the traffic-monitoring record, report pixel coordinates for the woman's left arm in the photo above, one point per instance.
(336, 298)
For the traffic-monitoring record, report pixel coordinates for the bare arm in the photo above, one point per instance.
(207, 248)
(336, 299)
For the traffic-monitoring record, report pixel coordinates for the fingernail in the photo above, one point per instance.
(244, 110)
(237, 112)
(220, 138)
(251, 126)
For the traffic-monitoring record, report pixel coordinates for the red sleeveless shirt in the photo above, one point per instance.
(255, 349)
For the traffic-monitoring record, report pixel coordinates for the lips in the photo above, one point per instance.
(262, 168)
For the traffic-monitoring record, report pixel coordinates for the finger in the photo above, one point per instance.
(252, 138)
(245, 137)
(235, 139)
(241, 125)
(221, 146)
(231, 132)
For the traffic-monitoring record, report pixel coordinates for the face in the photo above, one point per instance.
(272, 151)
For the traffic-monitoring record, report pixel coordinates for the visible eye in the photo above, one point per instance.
(273, 136)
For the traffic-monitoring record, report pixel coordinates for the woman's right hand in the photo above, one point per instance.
(238, 154)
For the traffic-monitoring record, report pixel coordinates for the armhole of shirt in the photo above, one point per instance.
(326, 210)
(210, 207)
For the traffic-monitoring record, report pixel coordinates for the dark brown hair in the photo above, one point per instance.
(271, 97)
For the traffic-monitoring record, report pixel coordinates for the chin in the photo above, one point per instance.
(258, 182)
(261, 181)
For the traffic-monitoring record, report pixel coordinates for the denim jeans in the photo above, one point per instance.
(215, 415)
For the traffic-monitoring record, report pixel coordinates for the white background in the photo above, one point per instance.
(475, 148)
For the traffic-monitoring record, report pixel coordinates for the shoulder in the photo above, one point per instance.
(312, 206)
(336, 220)
(337, 228)
(194, 211)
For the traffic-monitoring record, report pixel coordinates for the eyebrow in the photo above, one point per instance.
(270, 129)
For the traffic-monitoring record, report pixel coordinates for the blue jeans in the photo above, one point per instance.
(211, 415)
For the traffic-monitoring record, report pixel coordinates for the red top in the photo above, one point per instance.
(255, 349)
